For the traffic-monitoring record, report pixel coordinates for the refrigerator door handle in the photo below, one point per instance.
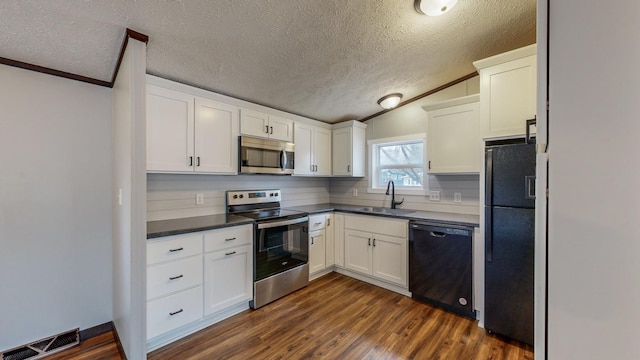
(488, 233)
(488, 184)
(530, 185)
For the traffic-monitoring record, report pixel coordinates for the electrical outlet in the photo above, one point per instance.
(354, 192)
(199, 199)
(457, 197)
(434, 195)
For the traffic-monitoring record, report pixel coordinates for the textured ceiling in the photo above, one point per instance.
(329, 60)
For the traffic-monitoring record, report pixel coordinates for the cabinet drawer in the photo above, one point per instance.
(228, 237)
(317, 222)
(171, 312)
(377, 224)
(173, 247)
(174, 276)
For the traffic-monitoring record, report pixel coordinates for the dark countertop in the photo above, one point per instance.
(440, 217)
(161, 228)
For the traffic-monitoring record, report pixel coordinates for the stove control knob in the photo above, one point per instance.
(235, 196)
(241, 196)
(271, 194)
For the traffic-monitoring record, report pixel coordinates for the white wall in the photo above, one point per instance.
(407, 120)
(594, 172)
(129, 215)
(55, 205)
(171, 196)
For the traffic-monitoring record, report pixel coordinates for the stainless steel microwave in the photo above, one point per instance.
(262, 156)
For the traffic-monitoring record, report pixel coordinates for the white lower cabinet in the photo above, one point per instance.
(227, 278)
(173, 311)
(317, 244)
(197, 279)
(338, 239)
(317, 251)
(382, 254)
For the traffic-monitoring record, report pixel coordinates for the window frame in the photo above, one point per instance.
(372, 149)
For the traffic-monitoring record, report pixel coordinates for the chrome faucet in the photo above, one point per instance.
(393, 194)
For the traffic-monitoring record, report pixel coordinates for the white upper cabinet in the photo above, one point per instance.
(216, 137)
(453, 136)
(313, 150)
(258, 124)
(349, 148)
(190, 134)
(169, 130)
(507, 92)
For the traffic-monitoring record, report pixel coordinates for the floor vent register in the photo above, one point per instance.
(44, 347)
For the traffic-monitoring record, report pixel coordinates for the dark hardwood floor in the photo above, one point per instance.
(335, 317)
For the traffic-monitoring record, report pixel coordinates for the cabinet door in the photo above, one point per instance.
(338, 237)
(390, 259)
(508, 97)
(357, 251)
(454, 140)
(317, 251)
(304, 157)
(280, 128)
(228, 276)
(254, 123)
(321, 151)
(216, 137)
(342, 152)
(170, 122)
(329, 232)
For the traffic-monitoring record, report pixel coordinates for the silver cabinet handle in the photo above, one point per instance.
(318, 223)
(190, 160)
(198, 161)
(312, 240)
(369, 242)
(271, 133)
(230, 239)
(176, 277)
(328, 222)
(230, 253)
(374, 242)
(267, 129)
(176, 312)
(348, 168)
(178, 249)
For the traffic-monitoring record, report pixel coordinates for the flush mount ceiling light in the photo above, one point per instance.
(434, 7)
(390, 101)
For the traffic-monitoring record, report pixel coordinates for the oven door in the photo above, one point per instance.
(280, 245)
(261, 156)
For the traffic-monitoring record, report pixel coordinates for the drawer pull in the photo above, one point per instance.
(176, 277)
(230, 253)
(176, 312)
(178, 249)
(318, 223)
(230, 239)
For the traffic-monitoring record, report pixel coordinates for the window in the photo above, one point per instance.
(399, 159)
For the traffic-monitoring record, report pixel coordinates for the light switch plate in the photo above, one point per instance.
(434, 195)
(457, 197)
(199, 199)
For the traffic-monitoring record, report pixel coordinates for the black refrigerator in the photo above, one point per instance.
(509, 239)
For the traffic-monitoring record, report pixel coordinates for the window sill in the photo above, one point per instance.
(423, 192)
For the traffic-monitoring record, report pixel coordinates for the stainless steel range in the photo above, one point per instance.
(280, 248)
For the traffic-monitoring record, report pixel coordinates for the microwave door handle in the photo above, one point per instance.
(283, 160)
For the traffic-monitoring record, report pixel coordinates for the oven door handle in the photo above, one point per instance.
(273, 224)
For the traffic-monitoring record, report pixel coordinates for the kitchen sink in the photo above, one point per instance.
(381, 210)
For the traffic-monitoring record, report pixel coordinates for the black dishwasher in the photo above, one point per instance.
(441, 266)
